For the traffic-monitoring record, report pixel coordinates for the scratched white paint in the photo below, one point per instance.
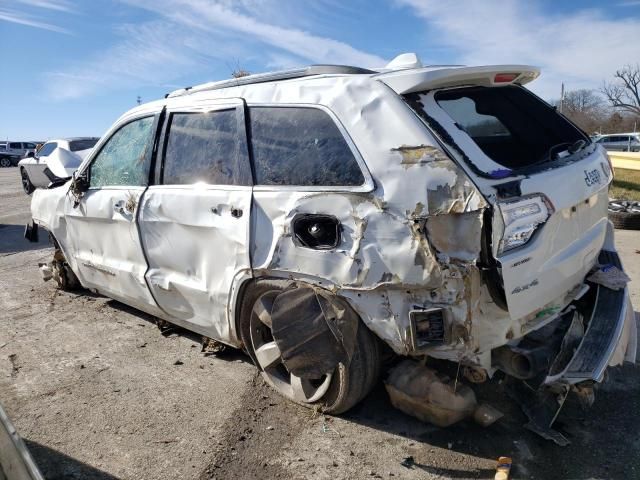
(194, 261)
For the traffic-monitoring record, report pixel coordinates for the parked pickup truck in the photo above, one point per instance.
(12, 152)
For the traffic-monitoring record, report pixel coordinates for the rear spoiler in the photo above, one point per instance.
(429, 78)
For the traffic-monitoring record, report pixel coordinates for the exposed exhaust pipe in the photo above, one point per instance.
(521, 363)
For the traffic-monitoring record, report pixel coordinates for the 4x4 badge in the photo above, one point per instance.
(525, 287)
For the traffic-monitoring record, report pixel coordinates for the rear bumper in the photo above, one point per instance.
(610, 337)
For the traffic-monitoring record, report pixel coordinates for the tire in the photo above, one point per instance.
(625, 214)
(27, 186)
(5, 162)
(335, 393)
(625, 220)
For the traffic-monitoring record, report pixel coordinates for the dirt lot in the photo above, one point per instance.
(99, 393)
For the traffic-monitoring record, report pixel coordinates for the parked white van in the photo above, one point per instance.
(318, 217)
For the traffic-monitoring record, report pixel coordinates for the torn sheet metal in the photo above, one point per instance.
(457, 235)
(609, 276)
(314, 330)
(542, 406)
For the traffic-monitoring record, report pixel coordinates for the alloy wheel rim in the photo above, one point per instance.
(269, 359)
(25, 181)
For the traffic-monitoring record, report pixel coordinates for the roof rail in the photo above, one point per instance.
(272, 77)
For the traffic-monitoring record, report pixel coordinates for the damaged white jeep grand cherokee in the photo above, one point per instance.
(315, 217)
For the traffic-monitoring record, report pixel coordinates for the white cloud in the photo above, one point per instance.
(582, 48)
(188, 35)
(149, 54)
(27, 20)
(241, 19)
(59, 5)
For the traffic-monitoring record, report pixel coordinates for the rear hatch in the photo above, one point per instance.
(546, 181)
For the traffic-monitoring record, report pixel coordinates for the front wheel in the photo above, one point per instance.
(5, 162)
(333, 393)
(27, 186)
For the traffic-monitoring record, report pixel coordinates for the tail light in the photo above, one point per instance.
(521, 219)
(505, 77)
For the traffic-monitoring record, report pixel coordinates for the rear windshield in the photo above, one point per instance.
(510, 125)
(76, 145)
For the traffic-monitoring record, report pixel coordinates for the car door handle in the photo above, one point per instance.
(118, 207)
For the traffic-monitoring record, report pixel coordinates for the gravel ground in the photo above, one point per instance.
(99, 393)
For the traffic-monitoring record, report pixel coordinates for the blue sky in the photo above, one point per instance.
(71, 67)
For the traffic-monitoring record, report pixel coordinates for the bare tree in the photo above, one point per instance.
(585, 108)
(624, 92)
(582, 101)
(239, 72)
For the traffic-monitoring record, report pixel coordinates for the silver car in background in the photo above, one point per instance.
(620, 142)
(57, 159)
(12, 152)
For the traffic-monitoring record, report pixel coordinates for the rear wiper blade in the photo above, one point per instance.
(576, 146)
(552, 154)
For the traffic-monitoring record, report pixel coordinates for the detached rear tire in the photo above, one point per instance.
(625, 214)
(335, 393)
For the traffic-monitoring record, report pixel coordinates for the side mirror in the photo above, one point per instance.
(80, 182)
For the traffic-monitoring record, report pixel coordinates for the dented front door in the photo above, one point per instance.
(195, 223)
(102, 224)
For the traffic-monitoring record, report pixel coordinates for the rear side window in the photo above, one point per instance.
(300, 146)
(15, 145)
(47, 149)
(509, 124)
(206, 147)
(77, 145)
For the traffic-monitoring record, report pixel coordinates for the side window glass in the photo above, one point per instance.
(206, 147)
(15, 145)
(125, 158)
(300, 146)
(47, 149)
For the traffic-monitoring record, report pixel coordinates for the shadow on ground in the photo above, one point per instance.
(604, 439)
(228, 354)
(55, 465)
(12, 240)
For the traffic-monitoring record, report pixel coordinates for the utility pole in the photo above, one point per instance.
(562, 97)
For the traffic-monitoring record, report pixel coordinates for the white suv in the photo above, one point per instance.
(316, 217)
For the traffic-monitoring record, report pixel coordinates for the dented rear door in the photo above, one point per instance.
(194, 223)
